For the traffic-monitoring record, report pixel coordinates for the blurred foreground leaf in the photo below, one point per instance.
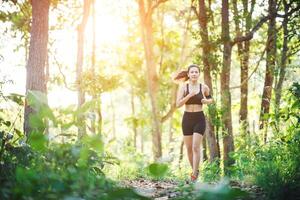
(158, 169)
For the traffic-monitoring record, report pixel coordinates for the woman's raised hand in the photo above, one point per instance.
(193, 93)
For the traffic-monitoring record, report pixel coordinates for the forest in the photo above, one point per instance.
(88, 99)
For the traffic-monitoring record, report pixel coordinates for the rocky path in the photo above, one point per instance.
(160, 190)
(154, 189)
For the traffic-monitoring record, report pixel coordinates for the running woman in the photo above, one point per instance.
(193, 95)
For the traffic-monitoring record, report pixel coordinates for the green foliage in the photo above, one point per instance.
(64, 119)
(215, 115)
(20, 19)
(42, 112)
(132, 163)
(38, 120)
(210, 171)
(8, 125)
(60, 171)
(70, 172)
(17, 98)
(43, 170)
(276, 165)
(95, 84)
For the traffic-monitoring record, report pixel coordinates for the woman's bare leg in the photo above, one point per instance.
(197, 142)
(188, 141)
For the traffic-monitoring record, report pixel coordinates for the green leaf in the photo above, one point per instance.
(124, 193)
(84, 155)
(18, 132)
(295, 105)
(94, 142)
(46, 112)
(37, 141)
(36, 122)
(7, 123)
(158, 169)
(17, 98)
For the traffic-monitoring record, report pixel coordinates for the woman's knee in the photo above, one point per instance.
(196, 149)
(189, 148)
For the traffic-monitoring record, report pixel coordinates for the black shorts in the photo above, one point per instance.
(193, 122)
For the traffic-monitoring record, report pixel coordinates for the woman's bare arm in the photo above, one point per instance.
(206, 93)
(181, 100)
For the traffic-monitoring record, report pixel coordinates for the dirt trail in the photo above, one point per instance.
(154, 189)
(160, 190)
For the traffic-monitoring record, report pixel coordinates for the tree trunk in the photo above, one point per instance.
(171, 148)
(204, 148)
(113, 110)
(225, 92)
(79, 65)
(270, 65)
(35, 67)
(180, 154)
(244, 86)
(47, 77)
(161, 17)
(152, 77)
(205, 44)
(142, 141)
(99, 113)
(243, 53)
(244, 73)
(134, 125)
(218, 126)
(278, 87)
(93, 67)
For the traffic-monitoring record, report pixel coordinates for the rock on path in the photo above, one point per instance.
(153, 189)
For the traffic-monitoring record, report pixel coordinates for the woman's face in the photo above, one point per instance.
(193, 74)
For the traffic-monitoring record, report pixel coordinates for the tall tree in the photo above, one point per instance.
(245, 64)
(146, 10)
(79, 64)
(243, 54)
(93, 59)
(270, 66)
(206, 59)
(228, 144)
(35, 67)
(288, 35)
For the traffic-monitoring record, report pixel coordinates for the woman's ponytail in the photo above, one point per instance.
(180, 76)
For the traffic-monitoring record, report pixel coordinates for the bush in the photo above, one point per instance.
(43, 170)
(62, 171)
(276, 165)
(210, 171)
